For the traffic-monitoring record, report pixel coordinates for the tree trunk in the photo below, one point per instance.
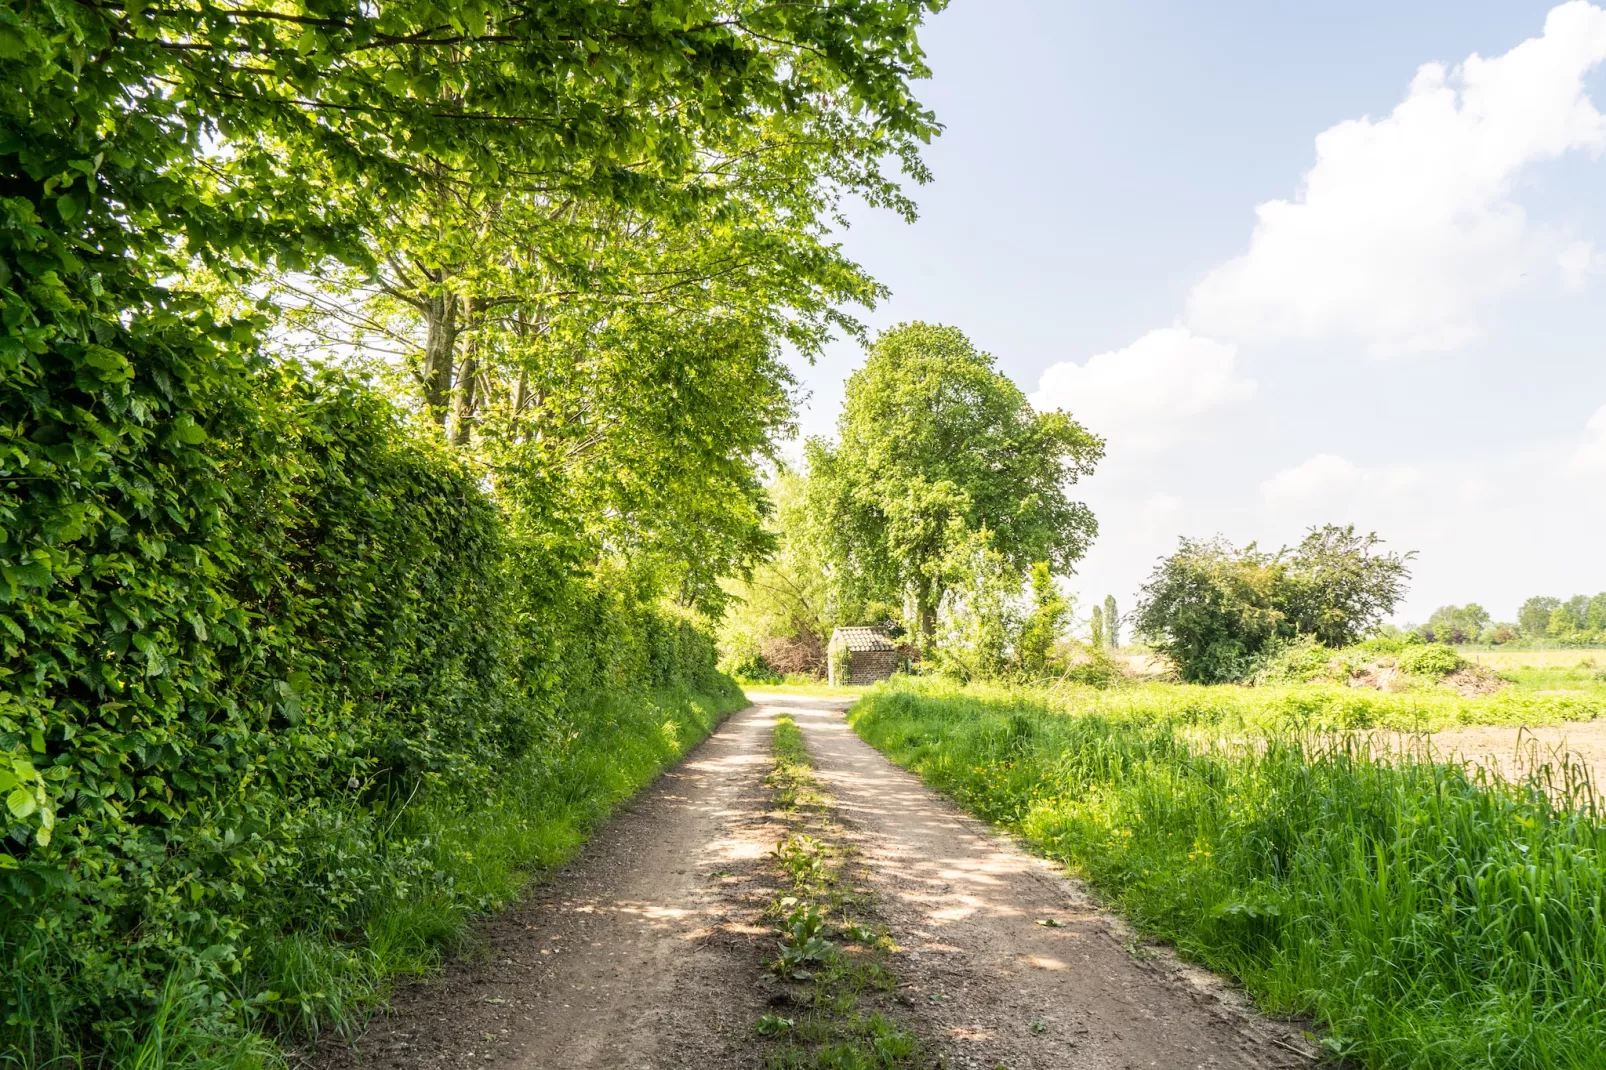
(926, 598)
(440, 354)
(465, 401)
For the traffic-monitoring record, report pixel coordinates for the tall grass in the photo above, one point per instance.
(455, 858)
(1316, 707)
(1426, 916)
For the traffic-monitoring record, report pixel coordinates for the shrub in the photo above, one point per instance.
(1432, 659)
(753, 669)
(1218, 611)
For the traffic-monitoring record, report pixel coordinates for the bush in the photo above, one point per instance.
(248, 617)
(1431, 659)
(753, 669)
(1218, 612)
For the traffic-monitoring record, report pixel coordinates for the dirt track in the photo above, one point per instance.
(648, 951)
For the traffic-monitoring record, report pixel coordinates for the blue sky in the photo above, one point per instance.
(1411, 340)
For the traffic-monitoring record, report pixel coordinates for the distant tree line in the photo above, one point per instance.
(1576, 621)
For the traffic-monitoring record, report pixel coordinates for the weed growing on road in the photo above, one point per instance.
(829, 960)
(1429, 916)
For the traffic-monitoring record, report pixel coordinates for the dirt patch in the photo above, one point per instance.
(1515, 752)
(1473, 681)
(989, 983)
(1376, 677)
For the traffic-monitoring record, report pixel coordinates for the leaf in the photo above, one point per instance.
(22, 803)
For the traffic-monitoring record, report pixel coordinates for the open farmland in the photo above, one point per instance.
(1504, 660)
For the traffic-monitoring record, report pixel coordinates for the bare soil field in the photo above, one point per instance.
(1513, 752)
(648, 952)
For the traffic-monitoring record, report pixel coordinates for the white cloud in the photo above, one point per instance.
(1321, 480)
(1577, 263)
(1405, 226)
(1591, 456)
(1150, 394)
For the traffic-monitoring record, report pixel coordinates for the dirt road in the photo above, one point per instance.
(649, 950)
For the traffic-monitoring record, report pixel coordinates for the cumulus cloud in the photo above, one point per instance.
(1150, 394)
(1591, 456)
(1405, 225)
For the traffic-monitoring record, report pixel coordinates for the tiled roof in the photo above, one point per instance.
(863, 638)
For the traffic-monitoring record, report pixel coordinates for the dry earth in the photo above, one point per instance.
(648, 950)
(1512, 752)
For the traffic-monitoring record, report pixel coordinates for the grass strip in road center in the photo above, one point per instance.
(1428, 916)
(831, 962)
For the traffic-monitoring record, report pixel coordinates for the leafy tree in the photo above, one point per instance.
(1095, 628)
(1044, 624)
(1112, 622)
(981, 618)
(935, 445)
(1456, 624)
(1340, 586)
(1577, 609)
(1213, 609)
(786, 607)
(1534, 615)
(1595, 619)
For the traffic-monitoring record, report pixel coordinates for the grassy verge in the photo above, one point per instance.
(829, 960)
(465, 857)
(1426, 917)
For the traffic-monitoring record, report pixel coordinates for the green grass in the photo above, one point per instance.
(466, 857)
(1319, 707)
(1426, 917)
(1584, 677)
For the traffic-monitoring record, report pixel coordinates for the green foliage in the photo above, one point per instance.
(1535, 614)
(786, 608)
(1398, 664)
(1425, 916)
(1213, 609)
(1432, 659)
(1577, 621)
(1217, 612)
(1337, 586)
(981, 621)
(1456, 624)
(1037, 647)
(1095, 628)
(935, 447)
(256, 629)
(1112, 623)
(251, 625)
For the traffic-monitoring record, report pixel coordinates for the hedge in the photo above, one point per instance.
(247, 617)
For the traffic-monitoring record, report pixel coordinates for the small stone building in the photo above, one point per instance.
(862, 655)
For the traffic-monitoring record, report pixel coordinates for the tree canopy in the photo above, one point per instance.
(936, 448)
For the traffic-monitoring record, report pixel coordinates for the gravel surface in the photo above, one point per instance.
(647, 952)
